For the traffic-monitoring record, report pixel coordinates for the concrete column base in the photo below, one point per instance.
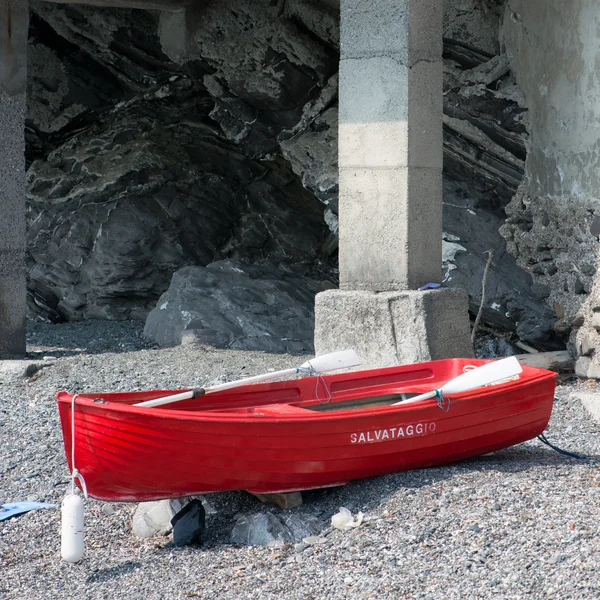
(393, 328)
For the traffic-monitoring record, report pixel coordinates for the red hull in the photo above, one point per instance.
(277, 437)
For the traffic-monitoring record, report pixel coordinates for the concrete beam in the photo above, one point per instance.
(162, 5)
(14, 24)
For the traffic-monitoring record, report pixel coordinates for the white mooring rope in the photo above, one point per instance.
(75, 474)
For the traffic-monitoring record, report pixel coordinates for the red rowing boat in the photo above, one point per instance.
(305, 433)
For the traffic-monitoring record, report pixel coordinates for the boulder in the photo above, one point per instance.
(153, 519)
(274, 529)
(229, 304)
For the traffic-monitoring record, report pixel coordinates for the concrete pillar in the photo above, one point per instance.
(390, 208)
(554, 220)
(14, 23)
(390, 144)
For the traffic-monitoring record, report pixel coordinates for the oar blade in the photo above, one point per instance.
(343, 359)
(485, 375)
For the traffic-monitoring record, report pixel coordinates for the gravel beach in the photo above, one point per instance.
(520, 523)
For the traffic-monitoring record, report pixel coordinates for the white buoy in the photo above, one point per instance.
(72, 528)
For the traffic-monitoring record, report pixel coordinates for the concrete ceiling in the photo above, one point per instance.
(164, 5)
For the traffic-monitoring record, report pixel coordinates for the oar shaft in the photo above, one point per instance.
(320, 364)
(255, 379)
(418, 398)
(214, 388)
(168, 399)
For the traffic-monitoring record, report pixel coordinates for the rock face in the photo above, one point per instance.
(140, 165)
(232, 305)
(158, 141)
(485, 137)
(475, 23)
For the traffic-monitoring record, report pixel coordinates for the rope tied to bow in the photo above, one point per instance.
(75, 474)
(443, 403)
(310, 371)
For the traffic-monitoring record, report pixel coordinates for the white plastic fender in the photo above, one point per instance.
(72, 528)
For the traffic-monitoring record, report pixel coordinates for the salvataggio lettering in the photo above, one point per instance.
(379, 435)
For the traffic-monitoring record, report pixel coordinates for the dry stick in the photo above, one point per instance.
(526, 347)
(480, 312)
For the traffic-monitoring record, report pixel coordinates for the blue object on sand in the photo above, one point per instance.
(429, 286)
(18, 508)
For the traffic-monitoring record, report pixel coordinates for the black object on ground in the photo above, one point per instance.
(544, 439)
(189, 524)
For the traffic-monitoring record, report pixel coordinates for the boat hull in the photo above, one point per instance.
(279, 437)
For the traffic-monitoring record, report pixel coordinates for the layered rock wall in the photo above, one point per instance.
(142, 163)
(157, 141)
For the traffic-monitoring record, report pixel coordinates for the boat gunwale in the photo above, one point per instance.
(294, 412)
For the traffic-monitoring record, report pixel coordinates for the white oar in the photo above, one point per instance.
(320, 364)
(493, 372)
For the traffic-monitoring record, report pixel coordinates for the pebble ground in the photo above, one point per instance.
(520, 523)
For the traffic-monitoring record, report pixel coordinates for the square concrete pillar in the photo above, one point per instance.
(390, 207)
(14, 24)
(390, 144)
